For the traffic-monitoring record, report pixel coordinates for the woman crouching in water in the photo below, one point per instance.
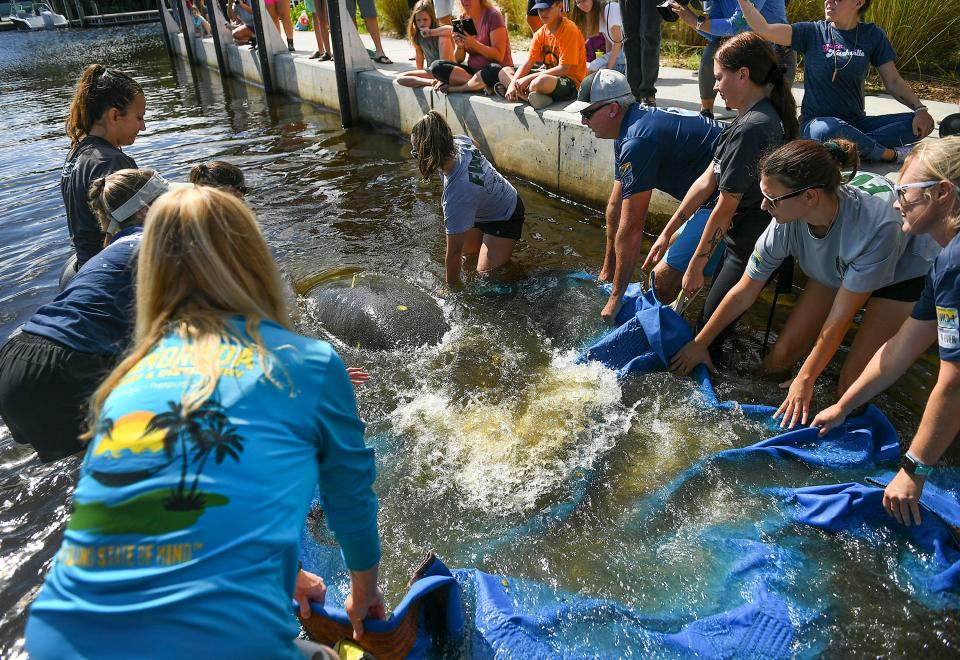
(206, 445)
(49, 370)
(482, 212)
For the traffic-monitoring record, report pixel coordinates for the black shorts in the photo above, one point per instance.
(512, 227)
(441, 70)
(566, 89)
(905, 291)
(45, 390)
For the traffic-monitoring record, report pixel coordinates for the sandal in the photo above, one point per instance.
(500, 90)
(316, 55)
(326, 57)
(382, 59)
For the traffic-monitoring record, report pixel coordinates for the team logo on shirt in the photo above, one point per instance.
(841, 50)
(948, 327)
(757, 259)
(68, 169)
(626, 174)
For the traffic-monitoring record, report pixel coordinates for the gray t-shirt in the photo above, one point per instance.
(864, 250)
(474, 191)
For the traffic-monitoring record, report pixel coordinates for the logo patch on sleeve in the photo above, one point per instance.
(626, 174)
(948, 327)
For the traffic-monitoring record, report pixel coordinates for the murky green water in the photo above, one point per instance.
(475, 435)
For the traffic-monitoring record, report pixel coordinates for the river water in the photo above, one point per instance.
(474, 435)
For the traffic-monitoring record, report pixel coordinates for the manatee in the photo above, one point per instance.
(376, 312)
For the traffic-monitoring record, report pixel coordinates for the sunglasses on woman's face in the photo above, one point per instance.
(901, 190)
(772, 201)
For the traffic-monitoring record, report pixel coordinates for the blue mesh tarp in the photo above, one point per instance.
(747, 602)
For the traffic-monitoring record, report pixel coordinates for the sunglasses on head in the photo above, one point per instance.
(587, 113)
(772, 201)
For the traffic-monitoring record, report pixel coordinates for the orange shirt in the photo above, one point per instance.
(565, 46)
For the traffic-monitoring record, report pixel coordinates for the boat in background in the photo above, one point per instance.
(36, 16)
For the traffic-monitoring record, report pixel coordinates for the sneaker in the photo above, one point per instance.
(707, 113)
(538, 100)
(648, 102)
(902, 153)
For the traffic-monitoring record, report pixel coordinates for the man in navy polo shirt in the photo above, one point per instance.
(660, 148)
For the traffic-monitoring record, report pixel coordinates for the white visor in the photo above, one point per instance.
(152, 189)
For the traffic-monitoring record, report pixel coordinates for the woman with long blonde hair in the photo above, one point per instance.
(206, 445)
(928, 198)
(49, 370)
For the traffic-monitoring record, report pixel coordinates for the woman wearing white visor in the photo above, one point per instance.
(51, 366)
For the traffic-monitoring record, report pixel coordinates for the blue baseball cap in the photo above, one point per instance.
(545, 4)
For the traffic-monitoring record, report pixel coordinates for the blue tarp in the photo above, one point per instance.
(748, 609)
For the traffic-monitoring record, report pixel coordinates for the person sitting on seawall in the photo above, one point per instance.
(485, 52)
(49, 370)
(106, 114)
(558, 49)
(849, 242)
(929, 200)
(431, 43)
(201, 27)
(482, 212)
(723, 18)
(597, 17)
(837, 54)
(653, 148)
(245, 33)
(745, 68)
(207, 443)
(317, 11)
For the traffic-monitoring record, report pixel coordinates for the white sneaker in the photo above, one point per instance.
(902, 152)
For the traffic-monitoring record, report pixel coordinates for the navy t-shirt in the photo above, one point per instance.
(940, 300)
(662, 148)
(850, 53)
(95, 312)
(93, 158)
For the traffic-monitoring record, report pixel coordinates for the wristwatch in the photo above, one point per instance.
(911, 465)
(701, 19)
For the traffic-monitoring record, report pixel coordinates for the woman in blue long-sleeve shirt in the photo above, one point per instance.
(207, 443)
(723, 18)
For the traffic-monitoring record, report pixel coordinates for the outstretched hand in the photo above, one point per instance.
(692, 282)
(309, 588)
(687, 358)
(796, 407)
(922, 124)
(611, 309)
(657, 252)
(358, 375)
(829, 419)
(901, 498)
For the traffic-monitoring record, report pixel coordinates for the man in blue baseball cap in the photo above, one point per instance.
(660, 148)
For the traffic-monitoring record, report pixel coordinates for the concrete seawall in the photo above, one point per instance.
(548, 147)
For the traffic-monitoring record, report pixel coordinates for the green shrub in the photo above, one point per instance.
(515, 14)
(394, 15)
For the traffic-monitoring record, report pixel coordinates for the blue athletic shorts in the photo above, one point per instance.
(688, 238)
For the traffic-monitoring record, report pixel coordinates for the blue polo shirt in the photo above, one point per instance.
(95, 312)
(663, 148)
(940, 300)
